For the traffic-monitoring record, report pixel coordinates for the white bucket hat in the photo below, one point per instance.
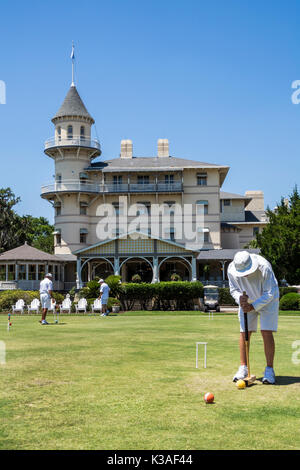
(244, 263)
(49, 275)
(100, 280)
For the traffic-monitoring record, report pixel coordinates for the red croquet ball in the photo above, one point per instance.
(209, 397)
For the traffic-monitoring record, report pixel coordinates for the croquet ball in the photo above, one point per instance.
(241, 384)
(209, 397)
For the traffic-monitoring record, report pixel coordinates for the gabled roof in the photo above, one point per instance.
(27, 253)
(125, 236)
(73, 106)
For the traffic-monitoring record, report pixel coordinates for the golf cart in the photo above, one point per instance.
(211, 298)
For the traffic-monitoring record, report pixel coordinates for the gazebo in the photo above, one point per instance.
(24, 267)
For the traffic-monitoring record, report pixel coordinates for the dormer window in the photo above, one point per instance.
(70, 132)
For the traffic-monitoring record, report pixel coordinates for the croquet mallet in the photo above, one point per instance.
(250, 379)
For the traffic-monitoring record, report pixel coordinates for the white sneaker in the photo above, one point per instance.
(44, 322)
(241, 374)
(269, 376)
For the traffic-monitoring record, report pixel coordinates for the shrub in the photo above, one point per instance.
(225, 297)
(10, 297)
(131, 292)
(115, 285)
(85, 293)
(58, 297)
(290, 301)
(136, 278)
(178, 294)
(93, 289)
(286, 290)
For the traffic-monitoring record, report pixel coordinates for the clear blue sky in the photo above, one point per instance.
(214, 77)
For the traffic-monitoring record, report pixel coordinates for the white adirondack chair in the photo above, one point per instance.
(52, 307)
(66, 305)
(34, 306)
(81, 306)
(19, 307)
(97, 306)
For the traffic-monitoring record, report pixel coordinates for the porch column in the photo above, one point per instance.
(194, 270)
(117, 266)
(223, 272)
(78, 274)
(155, 269)
(17, 272)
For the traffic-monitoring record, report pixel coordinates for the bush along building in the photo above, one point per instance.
(127, 215)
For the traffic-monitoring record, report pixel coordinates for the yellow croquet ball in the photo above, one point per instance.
(241, 384)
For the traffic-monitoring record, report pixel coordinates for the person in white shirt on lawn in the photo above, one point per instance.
(46, 294)
(104, 294)
(253, 274)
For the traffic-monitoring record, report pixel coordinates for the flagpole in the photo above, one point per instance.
(72, 57)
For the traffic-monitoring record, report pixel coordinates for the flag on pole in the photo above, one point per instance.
(72, 53)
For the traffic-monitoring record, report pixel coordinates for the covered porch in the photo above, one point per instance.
(212, 265)
(153, 259)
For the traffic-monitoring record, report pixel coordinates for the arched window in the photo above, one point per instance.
(82, 132)
(70, 132)
(59, 133)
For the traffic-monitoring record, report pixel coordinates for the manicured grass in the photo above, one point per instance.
(130, 382)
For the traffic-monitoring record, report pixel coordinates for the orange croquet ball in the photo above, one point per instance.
(209, 397)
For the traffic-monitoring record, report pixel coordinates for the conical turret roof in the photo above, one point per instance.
(73, 106)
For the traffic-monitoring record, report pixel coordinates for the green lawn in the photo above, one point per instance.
(130, 382)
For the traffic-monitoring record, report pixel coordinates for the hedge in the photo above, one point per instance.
(290, 301)
(10, 297)
(286, 290)
(177, 295)
(224, 296)
(226, 299)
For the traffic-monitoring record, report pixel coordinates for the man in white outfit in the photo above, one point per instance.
(104, 294)
(253, 274)
(46, 293)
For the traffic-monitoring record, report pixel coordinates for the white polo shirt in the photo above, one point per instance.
(46, 286)
(104, 289)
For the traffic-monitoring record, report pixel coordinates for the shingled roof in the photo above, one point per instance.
(28, 253)
(73, 106)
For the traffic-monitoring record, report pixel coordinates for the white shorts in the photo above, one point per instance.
(45, 300)
(268, 321)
